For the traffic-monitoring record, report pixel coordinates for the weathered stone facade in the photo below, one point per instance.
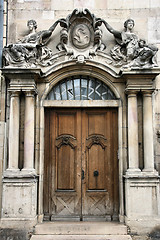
(40, 60)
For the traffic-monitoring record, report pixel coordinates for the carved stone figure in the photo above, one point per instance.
(127, 42)
(129, 50)
(144, 56)
(81, 38)
(31, 49)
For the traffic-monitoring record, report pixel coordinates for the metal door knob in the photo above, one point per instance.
(96, 173)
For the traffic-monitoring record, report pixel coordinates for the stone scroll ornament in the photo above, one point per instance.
(31, 50)
(81, 35)
(130, 51)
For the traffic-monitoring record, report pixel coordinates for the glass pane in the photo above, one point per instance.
(63, 91)
(77, 89)
(84, 89)
(110, 94)
(81, 88)
(91, 87)
(57, 93)
(98, 90)
(50, 95)
(70, 90)
(104, 92)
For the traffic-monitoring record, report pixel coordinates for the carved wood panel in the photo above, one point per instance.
(76, 140)
(100, 144)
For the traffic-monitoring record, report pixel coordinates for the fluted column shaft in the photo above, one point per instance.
(14, 132)
(133, 132)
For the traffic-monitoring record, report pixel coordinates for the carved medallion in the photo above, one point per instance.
(81, 36)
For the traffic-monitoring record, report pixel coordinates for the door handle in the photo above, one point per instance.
(82, 174)
(96, 173)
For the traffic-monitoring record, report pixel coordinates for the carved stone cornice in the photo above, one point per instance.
(21, 79)
(140, 80)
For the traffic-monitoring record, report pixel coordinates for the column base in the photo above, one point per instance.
(133, 171)
(149, 171)
(11, 172)
(28, 172)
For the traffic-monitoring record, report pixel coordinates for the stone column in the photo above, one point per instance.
(29, 133)
(14, 133)
(148, 132)
(133, 133)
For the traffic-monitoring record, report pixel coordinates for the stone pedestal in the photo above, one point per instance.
(19, 202)
(142, 207)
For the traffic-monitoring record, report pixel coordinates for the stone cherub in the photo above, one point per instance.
(31, 49)
(129, 50)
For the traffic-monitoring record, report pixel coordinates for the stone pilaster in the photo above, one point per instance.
(14, 133)
(133, 133)
(29, 132)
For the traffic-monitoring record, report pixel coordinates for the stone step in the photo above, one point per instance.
(81, 237)
(80, 228)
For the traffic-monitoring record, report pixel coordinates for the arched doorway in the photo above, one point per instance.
(80, 156)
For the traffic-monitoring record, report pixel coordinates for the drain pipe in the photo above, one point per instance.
(1, 30)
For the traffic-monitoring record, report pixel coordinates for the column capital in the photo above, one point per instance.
(30, 93)
(14, 93)
(147, 93)
(131, 93)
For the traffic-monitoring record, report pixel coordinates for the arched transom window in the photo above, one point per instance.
(81, 88)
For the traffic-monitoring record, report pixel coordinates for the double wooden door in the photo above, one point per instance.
(81, 166)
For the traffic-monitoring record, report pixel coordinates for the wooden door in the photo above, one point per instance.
(100, 184)
(80, 167)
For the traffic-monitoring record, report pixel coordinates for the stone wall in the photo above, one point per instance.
(146, 14)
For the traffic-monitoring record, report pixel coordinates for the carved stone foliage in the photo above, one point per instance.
(81, 38)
